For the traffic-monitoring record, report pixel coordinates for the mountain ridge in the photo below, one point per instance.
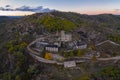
(79, 19)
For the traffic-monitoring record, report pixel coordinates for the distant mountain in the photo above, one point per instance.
(13, 17)
(9, 17)
(117, 15)
(3, 18)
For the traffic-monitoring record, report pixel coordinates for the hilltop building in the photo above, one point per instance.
(52, 48)
(41, 44)
(58, 44)
(64, 37)
(80, 45)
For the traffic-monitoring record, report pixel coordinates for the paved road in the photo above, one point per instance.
(40, 59)
(112, 58)
(109, 42)
(36, 56)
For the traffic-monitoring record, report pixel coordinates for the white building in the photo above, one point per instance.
(40, 45)
(80, 45)
(69, 64)
(65, 37)
(52, 48)
(58, 44)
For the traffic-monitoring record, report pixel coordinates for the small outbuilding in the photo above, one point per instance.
(68, 64)
(80, 45)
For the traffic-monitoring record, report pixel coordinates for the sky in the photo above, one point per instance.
(79, 6)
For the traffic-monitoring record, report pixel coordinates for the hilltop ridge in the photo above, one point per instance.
(17, 34)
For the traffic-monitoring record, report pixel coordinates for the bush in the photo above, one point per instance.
(48, 56)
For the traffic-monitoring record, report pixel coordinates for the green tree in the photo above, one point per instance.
(65, 54)
(92, 47)
(80, 53)
(71, 54)
(94, 58)
(11, 49)
(17, 77)
(48, 56)
(57, 24)
(23, 44)
(108, 73)
(6, 76)
(31, 69)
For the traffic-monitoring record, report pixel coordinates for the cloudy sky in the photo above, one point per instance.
(25, 7)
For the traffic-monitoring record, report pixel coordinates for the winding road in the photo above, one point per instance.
(36, 56)
(111, 58)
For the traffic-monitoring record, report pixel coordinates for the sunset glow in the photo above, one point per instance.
(90, 7)
(15, 13)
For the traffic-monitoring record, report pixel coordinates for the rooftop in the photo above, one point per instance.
(55, 46)
(80, 43)
(69, 64)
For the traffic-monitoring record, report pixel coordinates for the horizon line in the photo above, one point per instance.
(31, 13)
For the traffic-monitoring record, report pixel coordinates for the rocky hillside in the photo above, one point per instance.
(97, 22)
(107, 25)
(16, 34)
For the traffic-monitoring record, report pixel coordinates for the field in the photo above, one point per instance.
(109, 49)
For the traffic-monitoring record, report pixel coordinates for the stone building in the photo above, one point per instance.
(68, 64)
(65, 37)
(52, 48)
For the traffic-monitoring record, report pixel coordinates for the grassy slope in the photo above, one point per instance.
(99, 23)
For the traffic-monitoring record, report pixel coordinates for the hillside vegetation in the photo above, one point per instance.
(53, 23)
(16, 34)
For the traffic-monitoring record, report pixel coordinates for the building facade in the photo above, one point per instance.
(80, 45)
(41, 45)
(52, 48)
(65, 37)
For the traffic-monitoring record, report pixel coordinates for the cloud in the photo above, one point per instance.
(33, 9)
(24, 8)
(117, 10)
(1, 8)
(7, 6)
(6, 9)
(27, 8)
